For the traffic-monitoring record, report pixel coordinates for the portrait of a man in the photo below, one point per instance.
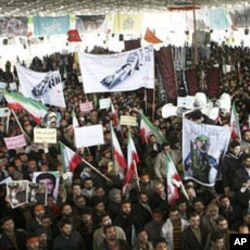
(50, 180)
(198, 162)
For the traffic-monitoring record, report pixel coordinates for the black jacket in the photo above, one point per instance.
(190, 242)
(6, 243)
(75, 241)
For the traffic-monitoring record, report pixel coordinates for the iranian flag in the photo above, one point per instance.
(17, 102)
(147, 129)
(119, 159)
(75, 122)
(234, 124)
(174, 182)
(114, 115)
(132, 159)
(70, 159)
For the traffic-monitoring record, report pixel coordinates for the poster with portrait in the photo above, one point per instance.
(50, 180)
(37, 193)
(203, 148)
(17, 193)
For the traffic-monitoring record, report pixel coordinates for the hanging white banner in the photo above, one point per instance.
(43, 86)
(118, 72)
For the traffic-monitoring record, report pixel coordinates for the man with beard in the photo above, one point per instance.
(231, 163)
(198, 162)
(142, 210)
(194, 236)
(229, 210)
(142, 241)
(241, 182)
(126, 220)
(89, 189)
(11, 238)
(245, 143)
(222, 228)
(36, 221)
(67, 213)
(98, 236)
(173, 227)
(111, 241)
(69, 239)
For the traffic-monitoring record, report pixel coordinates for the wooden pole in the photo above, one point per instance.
(96, 170)
(145, 100)
(153, 105)
(19, 124)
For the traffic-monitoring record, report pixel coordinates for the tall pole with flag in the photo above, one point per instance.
(119, 159)
(234, 124)
(132, 160)
(174, 182)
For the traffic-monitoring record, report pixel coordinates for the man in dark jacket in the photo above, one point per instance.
(68, 239)
(12, 238)
(111, 241)
(241, 182)
(194, 236)
(127, 221)
(231, 163)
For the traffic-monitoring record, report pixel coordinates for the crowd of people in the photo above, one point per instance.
(95, 214)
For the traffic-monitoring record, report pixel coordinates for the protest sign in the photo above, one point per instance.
(86, 107)
(89, 136)
(128, 120)
(47, 135)
(15, 142)
(104, 103)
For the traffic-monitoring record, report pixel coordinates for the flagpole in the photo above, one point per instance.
(145, 100)
(96, 170)
(19, 124)
(137, 179)
(153, 106)
(7, 123)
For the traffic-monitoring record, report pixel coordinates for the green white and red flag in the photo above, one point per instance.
(119, 159)
(147, 129)
(132, 160)
(17, 102)
(174, 182)
(70, 159)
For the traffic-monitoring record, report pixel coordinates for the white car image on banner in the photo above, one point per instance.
(118, 72)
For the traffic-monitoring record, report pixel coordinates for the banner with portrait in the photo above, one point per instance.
(204, 147)
(93, 23)
(37, 193)
(50, 180)
(118, 72)
(17, 193)
(41, 86)
(13, 26)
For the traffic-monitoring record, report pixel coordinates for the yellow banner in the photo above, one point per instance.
(127, 23)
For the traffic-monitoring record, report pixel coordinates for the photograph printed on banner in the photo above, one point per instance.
(50, 180)
(17, 194)
(37, 193)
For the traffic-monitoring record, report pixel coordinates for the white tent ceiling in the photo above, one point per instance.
(91, 7)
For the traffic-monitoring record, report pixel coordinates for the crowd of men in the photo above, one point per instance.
(95, 214)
